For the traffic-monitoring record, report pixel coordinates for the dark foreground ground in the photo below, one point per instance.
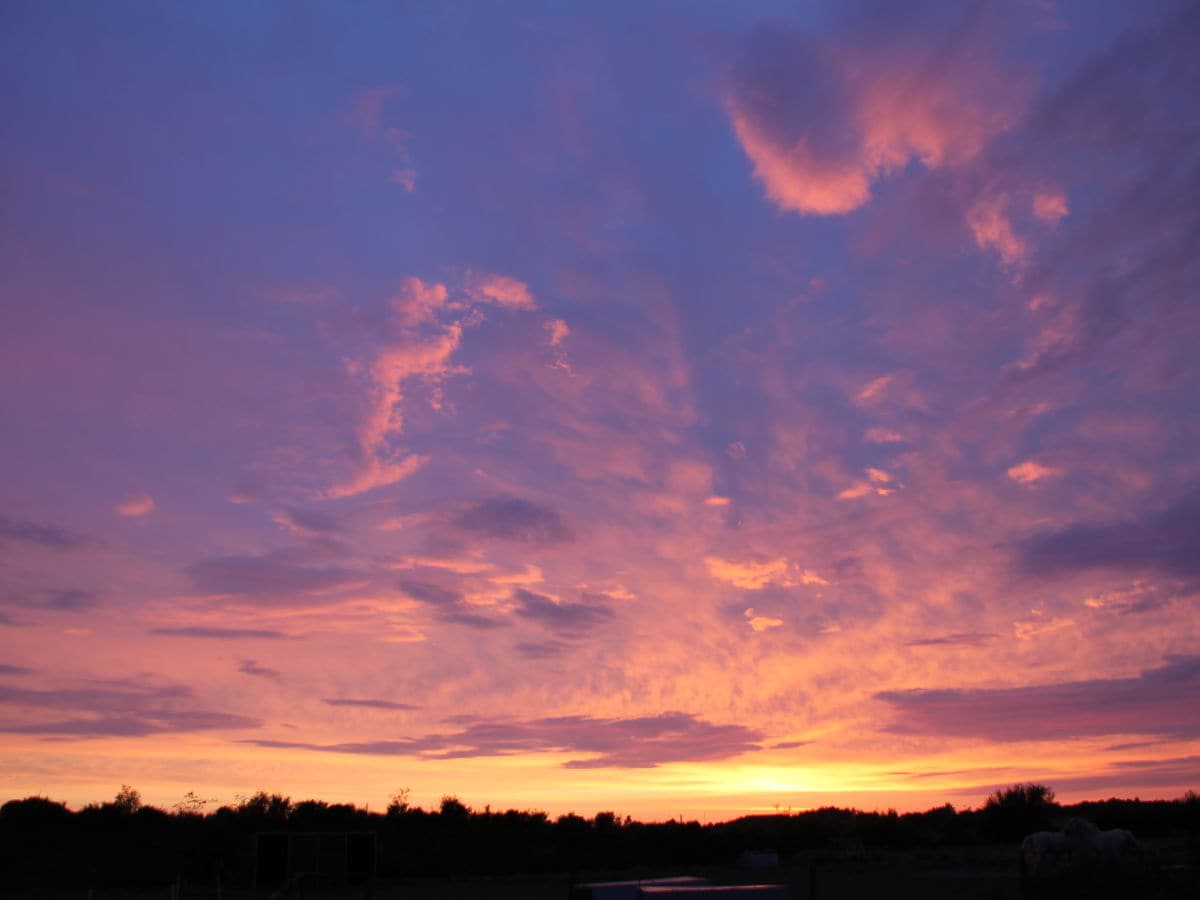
(986, 872)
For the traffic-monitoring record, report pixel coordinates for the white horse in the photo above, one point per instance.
(1080, 850)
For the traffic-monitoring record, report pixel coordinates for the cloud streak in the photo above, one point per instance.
(112, 709)
(1166, 541)
(633, 743)
(1159, 701)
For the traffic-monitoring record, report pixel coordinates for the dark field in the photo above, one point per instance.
(126, 851)
(985, 872)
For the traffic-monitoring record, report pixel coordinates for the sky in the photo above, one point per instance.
(674, 408)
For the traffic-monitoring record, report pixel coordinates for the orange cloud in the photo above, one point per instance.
(135, 505)
(1031, 471)
(750, 575)
(1039, 623)
(861, 489)
(761, 623)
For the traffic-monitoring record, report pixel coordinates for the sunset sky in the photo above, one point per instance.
(674, 408)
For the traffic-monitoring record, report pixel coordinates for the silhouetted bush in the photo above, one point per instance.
(1013, 812)
(125, 843)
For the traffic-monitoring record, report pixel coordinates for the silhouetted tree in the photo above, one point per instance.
(192, 804)
(399, 802)
(274, 807)
(127, 800)
(1013, 812)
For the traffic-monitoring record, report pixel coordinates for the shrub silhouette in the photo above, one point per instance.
(1013, 812)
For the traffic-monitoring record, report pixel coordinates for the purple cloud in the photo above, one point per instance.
(271, 574)
(53, 537)
(541, 649)
(789, 745)
(514, 519)
(310, 520)
(636, 743)
(426, 592)
(461, 614)
(1159, 701)
(1166, 542)
(113, 709)
(220, 634)
(69, 600)
(963, 638)
(565, 618)
(369, 703)
(450, 605)
(250, 667)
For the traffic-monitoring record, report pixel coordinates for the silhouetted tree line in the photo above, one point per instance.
(124, 842)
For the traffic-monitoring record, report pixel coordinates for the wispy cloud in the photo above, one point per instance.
(257, 670)
(427, 331)
(54, 537)
(266, 575)
(514, 519)
(370, 703)
(563, 617)
(112, 709)
(633, 743)
(220, 634)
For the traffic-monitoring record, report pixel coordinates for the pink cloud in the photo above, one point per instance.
(501, 290)
(415, 353)
(874, 391)
(1031, 471)
(821, 122)
(878, 435)
(557, 330)
(375, 473)
(793, 177)
(367, 108)
(993, 230)
(1050, 205)
(406, 178)
(418, 302)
